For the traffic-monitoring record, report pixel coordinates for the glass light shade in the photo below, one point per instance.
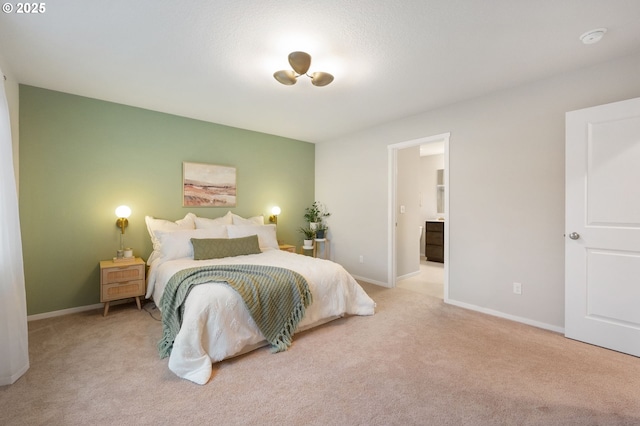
(123, 211)
(286, 77)
(300, 62)
(321, 79)
(275, 210)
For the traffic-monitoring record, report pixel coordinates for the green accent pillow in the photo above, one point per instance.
(216, 248)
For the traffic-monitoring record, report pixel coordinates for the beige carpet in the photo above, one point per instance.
(416, 362)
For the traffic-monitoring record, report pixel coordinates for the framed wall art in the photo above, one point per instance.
(208, 185)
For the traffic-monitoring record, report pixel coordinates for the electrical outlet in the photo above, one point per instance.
(517, 288)
(361, 259)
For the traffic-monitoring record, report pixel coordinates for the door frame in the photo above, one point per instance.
(392, 201)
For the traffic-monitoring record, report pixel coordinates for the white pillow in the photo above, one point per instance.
(204, 222)
(156, 225)
(266, 234)
(177, 244)
(239, 220)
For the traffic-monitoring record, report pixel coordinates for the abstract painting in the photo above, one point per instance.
(208, 185)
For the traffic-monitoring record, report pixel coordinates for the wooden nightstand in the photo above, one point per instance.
(121, 280)
(288, 247)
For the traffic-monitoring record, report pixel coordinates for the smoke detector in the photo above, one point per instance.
(593, 36)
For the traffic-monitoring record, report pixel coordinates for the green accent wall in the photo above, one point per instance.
(80, 158)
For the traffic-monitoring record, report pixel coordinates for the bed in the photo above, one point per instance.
(216, 323)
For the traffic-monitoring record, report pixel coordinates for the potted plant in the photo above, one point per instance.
(315, 213)
(321, 230)
(309, 234)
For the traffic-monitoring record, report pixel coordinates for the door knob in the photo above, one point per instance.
(574, 235)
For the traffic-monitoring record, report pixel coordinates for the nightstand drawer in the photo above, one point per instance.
(122, 273)
(122, 290)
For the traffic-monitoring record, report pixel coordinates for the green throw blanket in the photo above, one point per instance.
(276, 299)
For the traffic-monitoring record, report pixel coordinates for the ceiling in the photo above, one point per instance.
(214, 60)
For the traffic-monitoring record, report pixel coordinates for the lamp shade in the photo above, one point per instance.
(286, 77)
(321, 79)
(123, 211)
(275, 210)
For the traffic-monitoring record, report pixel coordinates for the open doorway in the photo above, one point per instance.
(429, 280)
(407, 264)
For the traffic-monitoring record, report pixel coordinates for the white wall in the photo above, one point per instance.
(506, 182)
(408, 221)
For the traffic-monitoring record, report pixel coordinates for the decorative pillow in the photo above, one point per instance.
(217, 248)
(266, 234)
(239, 220)
(155, 225)
(204, 222)
(177, 244)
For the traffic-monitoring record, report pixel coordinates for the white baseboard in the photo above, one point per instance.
(369, 280)
(409, 275)
(74, 310)
(11, 379)
(499, 314)
(464, 305)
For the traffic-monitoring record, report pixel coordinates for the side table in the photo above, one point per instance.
(325, 247)
(287, 247)
(121, 280)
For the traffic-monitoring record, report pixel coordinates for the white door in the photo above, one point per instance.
(602, 242)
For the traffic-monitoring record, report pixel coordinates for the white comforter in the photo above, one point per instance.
(217, 325)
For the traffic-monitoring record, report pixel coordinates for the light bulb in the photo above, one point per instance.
(123, 211)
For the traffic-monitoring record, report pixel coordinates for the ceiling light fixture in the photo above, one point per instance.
(300, 62)
(593, 36)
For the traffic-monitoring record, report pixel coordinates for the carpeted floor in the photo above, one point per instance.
(417, 361)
